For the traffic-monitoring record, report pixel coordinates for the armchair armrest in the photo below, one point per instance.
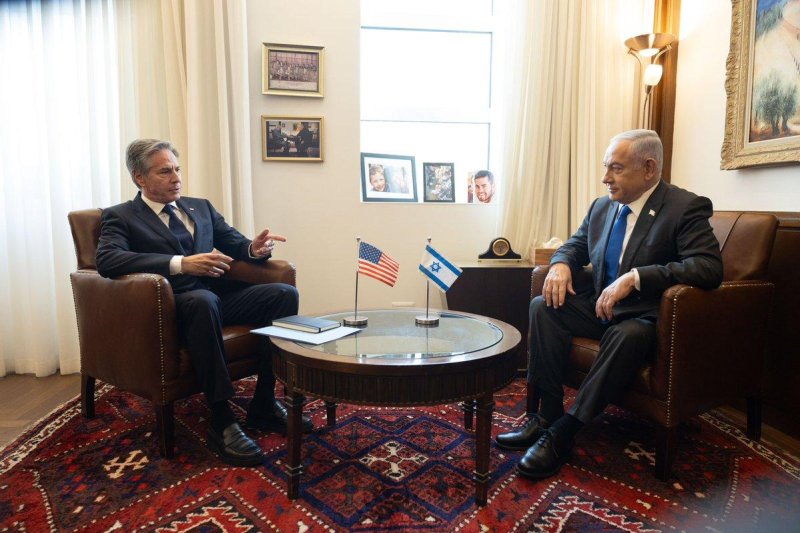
(272, 271)
(710, 342)
(127, 330)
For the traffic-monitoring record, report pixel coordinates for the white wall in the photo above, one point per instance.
(700, 121)
(318, 205)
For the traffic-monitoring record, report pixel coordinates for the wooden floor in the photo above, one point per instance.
(25, 399)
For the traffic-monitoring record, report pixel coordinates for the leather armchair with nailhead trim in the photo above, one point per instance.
(128, 332)
(710, 344)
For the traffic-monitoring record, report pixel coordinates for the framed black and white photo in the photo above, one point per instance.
(292, 70)
(285, 138)
(439, 182)
(388, 178)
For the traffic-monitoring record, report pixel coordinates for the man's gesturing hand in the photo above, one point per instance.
(212, 264)
(557, 284)
(264, 242)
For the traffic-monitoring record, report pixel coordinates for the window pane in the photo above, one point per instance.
(424, 69)
(378, 8)
(465, 145)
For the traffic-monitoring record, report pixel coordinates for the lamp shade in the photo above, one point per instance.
(652, 74)
(649, 44)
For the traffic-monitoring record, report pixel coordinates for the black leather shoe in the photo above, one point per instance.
(234, 447)
(276, 420)
(523, 438)
(545, 458)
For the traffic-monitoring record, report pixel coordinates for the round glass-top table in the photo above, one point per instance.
(394, 362)
(393, 334)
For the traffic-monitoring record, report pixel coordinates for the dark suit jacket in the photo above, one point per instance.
(134, 239)
(672, 242)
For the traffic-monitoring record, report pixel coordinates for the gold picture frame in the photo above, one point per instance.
(756, 84)
(292, 70)
(295, 139)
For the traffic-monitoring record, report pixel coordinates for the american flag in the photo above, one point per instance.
(376, 264)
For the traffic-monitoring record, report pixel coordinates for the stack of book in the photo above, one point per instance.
(305, 323)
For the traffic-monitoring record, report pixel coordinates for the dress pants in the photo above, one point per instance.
(624, 347)
(203, 312)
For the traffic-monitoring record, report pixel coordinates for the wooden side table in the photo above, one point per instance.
(497, 289)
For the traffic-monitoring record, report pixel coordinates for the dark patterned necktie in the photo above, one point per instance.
(614, 247)
(179, 230)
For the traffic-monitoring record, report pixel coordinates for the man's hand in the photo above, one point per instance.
(621, 288)
(264, 243)
(557, 284)
(212, 264)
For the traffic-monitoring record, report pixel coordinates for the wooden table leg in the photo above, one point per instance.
(294, 466)
(330, 411)
(483, 433)
(468, 407)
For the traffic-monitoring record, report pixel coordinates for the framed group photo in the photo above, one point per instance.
(762, 121)
(439, 182)
(286, 138)
(292, 70)
(388, 178)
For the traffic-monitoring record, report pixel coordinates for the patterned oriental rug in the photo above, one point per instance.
(384, 469)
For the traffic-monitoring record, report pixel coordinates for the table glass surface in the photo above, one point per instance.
(393, 334)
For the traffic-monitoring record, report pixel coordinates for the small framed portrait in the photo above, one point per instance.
(438, 180)
(292, 70)
(480, 187)
(291, 138)
(388, 178)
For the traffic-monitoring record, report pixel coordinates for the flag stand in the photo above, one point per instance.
(427, 320)
(355, 321)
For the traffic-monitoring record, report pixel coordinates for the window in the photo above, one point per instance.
(427, 83)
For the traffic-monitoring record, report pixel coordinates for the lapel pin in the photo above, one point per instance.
(652, 213)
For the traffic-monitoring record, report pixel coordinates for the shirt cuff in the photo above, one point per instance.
(636, 281)
(175, 265)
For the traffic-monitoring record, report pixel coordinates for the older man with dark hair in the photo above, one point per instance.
(643, 237)
(162, 232)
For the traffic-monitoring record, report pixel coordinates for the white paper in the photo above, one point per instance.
(302, 336)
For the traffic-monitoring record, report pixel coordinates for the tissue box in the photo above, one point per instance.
(541, 256)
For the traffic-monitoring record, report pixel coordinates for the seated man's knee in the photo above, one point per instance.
(634, 331)
(200, 299)
(537, 304)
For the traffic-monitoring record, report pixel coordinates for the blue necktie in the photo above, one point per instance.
(614, 247)
(179, 229)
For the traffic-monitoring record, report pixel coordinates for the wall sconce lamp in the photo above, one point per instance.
(647, 49)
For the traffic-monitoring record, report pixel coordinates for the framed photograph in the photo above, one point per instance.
(388, 178)
(439, 182)
(762, 122)
(291, 138)
(291, 70)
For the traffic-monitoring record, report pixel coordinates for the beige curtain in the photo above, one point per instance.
(183, 66)
(572, 87)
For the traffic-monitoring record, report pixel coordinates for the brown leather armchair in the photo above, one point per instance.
(128, 333)
(710, 345)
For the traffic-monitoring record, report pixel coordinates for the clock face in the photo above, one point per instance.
(500, 247)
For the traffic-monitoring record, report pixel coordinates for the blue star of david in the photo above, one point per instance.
(435, 266)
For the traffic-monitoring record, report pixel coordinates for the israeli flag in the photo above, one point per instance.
(438, 269)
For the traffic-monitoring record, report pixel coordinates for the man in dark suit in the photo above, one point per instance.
(642, 238)
(178, 237)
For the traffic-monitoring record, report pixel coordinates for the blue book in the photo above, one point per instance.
(305, 323)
